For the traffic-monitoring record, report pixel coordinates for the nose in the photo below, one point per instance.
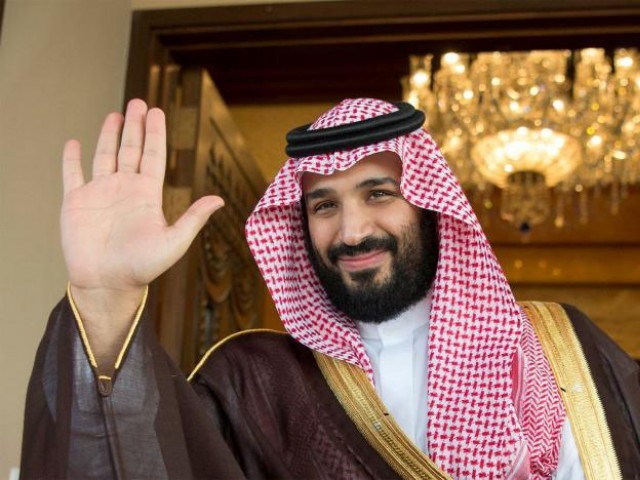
(356, 225)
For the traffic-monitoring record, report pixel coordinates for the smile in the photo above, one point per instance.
(363, 261)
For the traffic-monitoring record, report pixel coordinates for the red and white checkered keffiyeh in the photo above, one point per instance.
(493, 408)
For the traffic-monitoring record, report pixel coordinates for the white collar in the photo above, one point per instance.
(400, 327)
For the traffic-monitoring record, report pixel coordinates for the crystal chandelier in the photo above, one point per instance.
(547, 128)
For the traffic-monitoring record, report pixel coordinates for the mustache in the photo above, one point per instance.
(369, 244)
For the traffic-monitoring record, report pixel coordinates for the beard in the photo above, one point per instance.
(414, 260)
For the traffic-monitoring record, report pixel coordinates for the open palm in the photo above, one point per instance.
(114, 234)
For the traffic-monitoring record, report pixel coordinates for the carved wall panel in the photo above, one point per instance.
(229, 286)
(216, 289)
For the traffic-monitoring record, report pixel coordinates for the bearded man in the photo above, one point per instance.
(406, 354)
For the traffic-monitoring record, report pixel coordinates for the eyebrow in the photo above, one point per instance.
(376, 182)
(368, 183)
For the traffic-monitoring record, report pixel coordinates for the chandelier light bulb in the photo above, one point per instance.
(420, 78)
(595, 141)
(450, 58)
(625, 62)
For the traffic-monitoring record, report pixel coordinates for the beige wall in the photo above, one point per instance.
(62, 67)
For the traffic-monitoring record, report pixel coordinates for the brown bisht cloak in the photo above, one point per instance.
(258, 407)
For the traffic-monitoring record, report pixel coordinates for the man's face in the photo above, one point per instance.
(374, 252)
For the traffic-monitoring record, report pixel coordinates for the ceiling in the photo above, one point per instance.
(321, 52)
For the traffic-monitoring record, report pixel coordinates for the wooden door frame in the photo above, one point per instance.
(162, 36)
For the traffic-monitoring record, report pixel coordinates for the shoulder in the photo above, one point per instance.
(585, 328)
(617, 378)
(247, 349)
(591, 335)
(555, 312)
(576, 315)
(593, 340)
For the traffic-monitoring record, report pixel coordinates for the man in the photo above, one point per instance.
(407, 355)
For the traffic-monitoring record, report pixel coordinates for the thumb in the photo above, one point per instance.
(191, 222)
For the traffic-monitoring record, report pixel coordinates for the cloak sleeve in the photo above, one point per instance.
(618, 379)
(151, 424)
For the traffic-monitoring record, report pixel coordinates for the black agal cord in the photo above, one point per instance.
(302, 142)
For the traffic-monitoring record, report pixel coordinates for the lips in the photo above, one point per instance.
(362, 261)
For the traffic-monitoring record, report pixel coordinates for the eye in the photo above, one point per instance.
(323, 207)
(381, 194)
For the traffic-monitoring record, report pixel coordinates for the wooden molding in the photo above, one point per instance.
(325, 51)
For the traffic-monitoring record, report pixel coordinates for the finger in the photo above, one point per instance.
(132, 137)
(191, 222)
(72, 176)
(154, 155)
(104, 161)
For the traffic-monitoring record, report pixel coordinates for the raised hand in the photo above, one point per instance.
(115, 238)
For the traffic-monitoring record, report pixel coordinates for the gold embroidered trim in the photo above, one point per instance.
(225, 340)
(357, 396)
(577, 389)
(83, 333)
